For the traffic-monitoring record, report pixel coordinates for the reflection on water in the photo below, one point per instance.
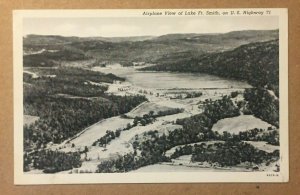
(167, 80)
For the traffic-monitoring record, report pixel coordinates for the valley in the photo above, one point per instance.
(136, 113)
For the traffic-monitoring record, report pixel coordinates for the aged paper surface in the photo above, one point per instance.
(150, 96)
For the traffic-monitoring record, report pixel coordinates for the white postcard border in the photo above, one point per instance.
(21, 178)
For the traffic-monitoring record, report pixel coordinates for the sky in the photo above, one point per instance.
(141, 26)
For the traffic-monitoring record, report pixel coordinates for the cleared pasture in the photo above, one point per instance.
(240, 123)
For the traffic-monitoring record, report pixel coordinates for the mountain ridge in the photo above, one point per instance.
(257, 63)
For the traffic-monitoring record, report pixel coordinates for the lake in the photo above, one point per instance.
(169, 80)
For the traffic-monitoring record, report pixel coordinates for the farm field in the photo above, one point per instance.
(240, 123)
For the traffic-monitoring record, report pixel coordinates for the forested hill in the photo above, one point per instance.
(256, 63)
(169, 47)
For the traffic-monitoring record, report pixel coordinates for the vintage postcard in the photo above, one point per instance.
(150, 96)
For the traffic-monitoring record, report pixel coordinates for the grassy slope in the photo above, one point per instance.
(82, 104)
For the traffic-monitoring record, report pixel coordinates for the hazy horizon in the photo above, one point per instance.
(144, 26)
(144, 35)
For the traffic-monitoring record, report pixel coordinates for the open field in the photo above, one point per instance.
(117, 147)
(89, 135)
(263, 146)
(168, 167)
(145, 108)
(172, 150)
(240, 123)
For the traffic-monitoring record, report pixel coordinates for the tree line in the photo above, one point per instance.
(229, 153)
(152, 148)
(153, 145)
(50, 59)
(263, 105)
(256, 63)
(51, 161)
(143, 121)
(61, 117)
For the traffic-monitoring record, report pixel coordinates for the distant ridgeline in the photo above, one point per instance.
(126, 50)
(256, 63)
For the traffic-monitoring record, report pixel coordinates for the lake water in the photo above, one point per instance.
(168, 80)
